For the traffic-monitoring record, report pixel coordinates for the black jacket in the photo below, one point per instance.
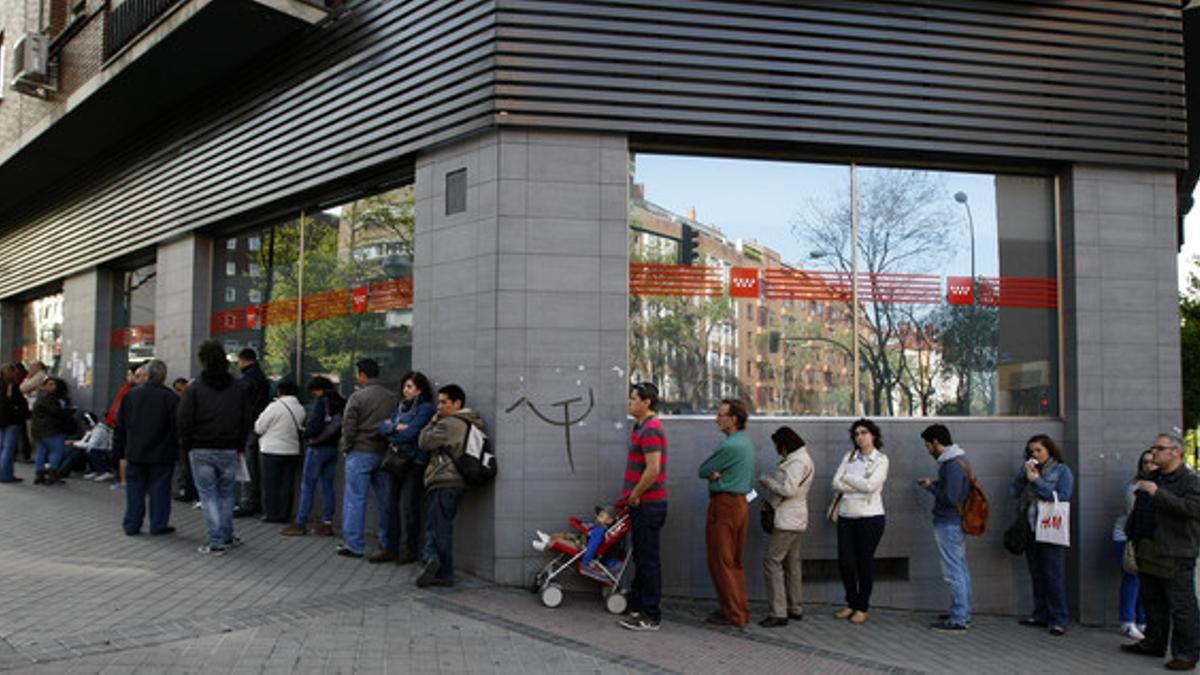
(14, 409)
(146, 425)
(214, 414)
(258, 389)
(51, 417)
(1177, 513)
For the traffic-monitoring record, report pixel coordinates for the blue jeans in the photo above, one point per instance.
(953, 551)
(215, 472)
(362, 473)
(1049, 581)
(441, 506)
(9, 438)
(404, 510)
(1133, 610)
(147, 480)
(320, 465)
(645, 593)
(56, 446)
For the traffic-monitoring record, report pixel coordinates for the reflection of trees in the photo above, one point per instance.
(968, 337)
(331, 345)
(904, 227)
(671, 339)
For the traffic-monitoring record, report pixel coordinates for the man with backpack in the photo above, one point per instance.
(445, 438)
(950, 491)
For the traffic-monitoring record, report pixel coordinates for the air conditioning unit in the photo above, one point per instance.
(31, 65)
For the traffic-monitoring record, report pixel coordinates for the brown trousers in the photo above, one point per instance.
(725, 536)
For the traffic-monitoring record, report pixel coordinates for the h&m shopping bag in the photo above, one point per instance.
(1053, 522)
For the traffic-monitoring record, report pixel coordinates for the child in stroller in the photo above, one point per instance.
(592, 550)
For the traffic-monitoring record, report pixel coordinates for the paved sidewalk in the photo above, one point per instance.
(81, 597)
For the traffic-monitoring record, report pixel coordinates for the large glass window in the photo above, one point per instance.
(39, 336)
(810, 289)
(132, 338)
(318, 292)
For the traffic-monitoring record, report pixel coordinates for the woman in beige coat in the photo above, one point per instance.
(788, 495)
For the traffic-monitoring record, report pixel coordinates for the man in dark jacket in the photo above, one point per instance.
(445, 439)
(146, 436)
(258, 395)
(1168, 585)
(950, 490)
(214, 420)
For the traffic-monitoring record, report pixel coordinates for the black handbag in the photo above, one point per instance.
(394, 462)
(767, 518)
(1016, 537)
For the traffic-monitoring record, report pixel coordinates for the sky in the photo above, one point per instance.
(752, 199)
(1191, 242)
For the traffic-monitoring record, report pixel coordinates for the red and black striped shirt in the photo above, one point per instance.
(647, 437)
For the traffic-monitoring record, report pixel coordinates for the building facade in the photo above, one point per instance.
(906, 210)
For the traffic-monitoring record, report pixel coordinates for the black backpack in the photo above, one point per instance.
(477, 463)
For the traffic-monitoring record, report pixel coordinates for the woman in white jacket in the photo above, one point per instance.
(279, 443)
(858, 487)
(788, 496)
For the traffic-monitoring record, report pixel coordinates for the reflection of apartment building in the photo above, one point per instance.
(783, 355)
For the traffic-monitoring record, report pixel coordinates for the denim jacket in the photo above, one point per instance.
(1058, 479)
(416, 417)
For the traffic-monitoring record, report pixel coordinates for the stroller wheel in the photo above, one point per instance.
(552, 595)
(616, 603)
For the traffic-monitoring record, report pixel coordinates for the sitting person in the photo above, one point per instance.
(95, 448)
(596, 529)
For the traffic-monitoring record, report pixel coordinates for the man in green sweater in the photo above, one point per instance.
(730, 473)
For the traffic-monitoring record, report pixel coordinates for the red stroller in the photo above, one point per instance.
(570, 557)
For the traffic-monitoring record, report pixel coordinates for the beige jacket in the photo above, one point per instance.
(789, 491)
(862, 496)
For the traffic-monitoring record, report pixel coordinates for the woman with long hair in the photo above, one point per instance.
(323, 430)
(415, 410)
(1044, 476)
(858, 487)
(1133, 612)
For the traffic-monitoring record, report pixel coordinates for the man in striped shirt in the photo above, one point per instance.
(645, 490)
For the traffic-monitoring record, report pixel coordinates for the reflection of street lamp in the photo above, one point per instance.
(961, 198)
(817, 255)
(397, 266)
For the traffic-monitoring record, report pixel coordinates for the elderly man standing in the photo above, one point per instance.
(146, 436)
(730, 474)
(1167, 547)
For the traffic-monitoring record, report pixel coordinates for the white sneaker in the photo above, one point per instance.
(538, 545)
(104, 477)
(1131, 631)
(196, 505)
(542, 535)
(90, 475)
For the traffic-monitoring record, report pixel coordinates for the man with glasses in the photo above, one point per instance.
(729, 472)
(1167, 560)
(645, 491)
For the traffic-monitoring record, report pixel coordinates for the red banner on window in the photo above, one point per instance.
(807, 285)
(1018, 292)
(385, 295)
(325, 305)
(360, 295)
(960, 291)
(687, 280)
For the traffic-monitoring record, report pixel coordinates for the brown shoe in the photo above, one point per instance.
(406, 558)
(858, 618)
(381, 557)
(294, 530)
(323, 530)
(843, 613)
(1180, 664)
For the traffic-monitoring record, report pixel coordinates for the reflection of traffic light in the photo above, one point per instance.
(689, 245)
(773, 342)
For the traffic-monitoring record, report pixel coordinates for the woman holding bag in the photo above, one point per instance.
(788, 497)
(858, 485)
(1044, 478)
(280, 427)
